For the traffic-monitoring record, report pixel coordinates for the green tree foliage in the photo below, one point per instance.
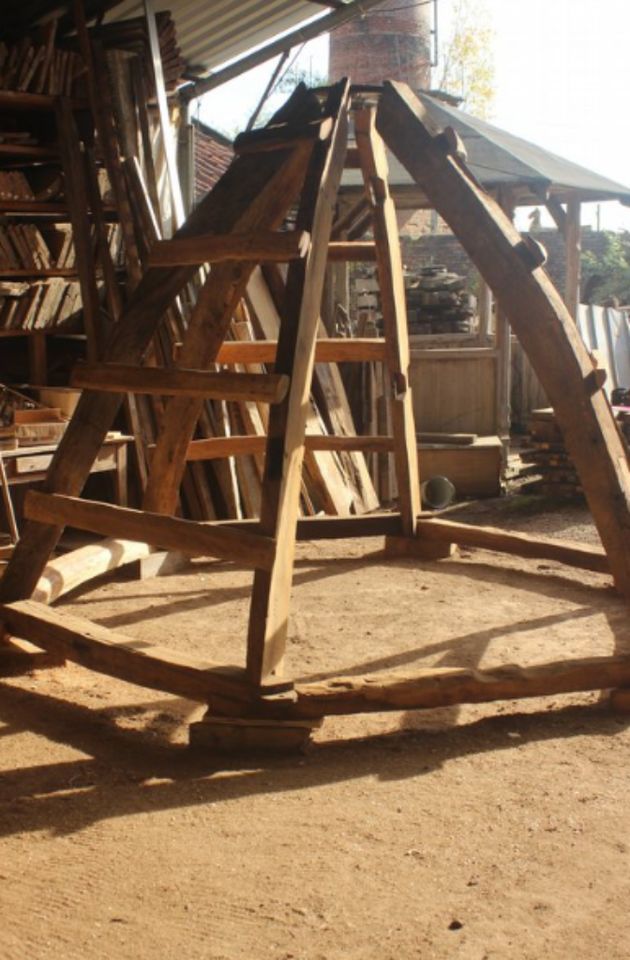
(466, 59)
(607, 276)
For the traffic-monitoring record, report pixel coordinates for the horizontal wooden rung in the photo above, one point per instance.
(261, 246)
(214, 448)
(117, 655)
(333, 350)
(171, 533)
(176, 381)
(519, 544)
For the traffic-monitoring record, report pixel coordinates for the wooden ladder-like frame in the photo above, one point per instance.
(300, 158)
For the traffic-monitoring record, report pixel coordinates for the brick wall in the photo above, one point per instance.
(212, 154)
(445, 249)
(391, 41)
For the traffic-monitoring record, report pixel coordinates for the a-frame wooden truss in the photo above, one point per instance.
(299, 159)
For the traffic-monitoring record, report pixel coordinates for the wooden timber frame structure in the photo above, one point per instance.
(296, 162)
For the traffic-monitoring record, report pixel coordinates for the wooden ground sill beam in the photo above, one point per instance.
(521, 544)
(432, 688)
(171, 533)
(122, 378)
(257, 245)
(213, 448)
(106, 651)
(339, 350)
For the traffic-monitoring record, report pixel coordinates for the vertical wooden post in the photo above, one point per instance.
(269, 610)
(573, 242)
(77, 196)
(165, 120)
(484, 309)
(393, 305)
(503, 346)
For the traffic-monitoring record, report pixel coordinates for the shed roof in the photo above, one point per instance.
(500, 159)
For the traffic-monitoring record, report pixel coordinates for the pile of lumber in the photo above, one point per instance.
(131, 36)
(36, 65)
(41, 303)
(438, 302)
(557, 475)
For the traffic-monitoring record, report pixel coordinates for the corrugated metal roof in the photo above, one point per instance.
(213, 32)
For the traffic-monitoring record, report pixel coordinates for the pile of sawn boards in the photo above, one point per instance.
(556, 474)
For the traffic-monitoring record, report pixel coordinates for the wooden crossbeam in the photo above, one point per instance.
(112, 653)
(333, 350)
(213, 448)
(259, 246)
(282, 136)
(175, 381)
(536, 313)
(520, 544)
(443, 687)
(172, 533)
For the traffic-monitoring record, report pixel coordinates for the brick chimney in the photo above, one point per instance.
(387, 43)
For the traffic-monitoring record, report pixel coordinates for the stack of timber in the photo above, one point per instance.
(131, 36)
(34, 64)
(438, 302)
(557, 474)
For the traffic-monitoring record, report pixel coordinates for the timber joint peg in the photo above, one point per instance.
(450, 142)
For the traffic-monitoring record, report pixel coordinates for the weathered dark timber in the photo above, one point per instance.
(536, 312)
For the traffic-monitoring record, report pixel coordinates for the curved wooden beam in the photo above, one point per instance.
(72, 570)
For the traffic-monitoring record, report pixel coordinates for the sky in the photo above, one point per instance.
(561, 76)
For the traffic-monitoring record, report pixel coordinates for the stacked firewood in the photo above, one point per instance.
(556, 472)
(438, 302)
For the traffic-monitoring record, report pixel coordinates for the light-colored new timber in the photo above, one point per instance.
(333, 350)
(537, 315)
(200, 539)
(176, 381)
(192, 251)
(71, 570)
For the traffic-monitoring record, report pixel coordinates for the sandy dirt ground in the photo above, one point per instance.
(495, 831)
